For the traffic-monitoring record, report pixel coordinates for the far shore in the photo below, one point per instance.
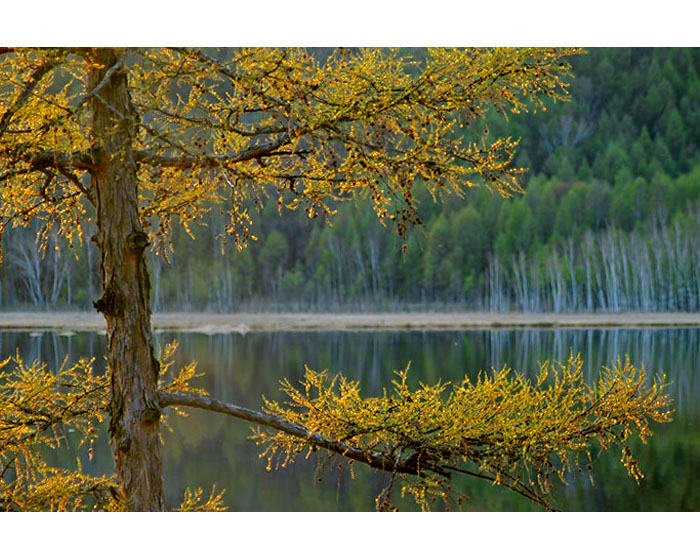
(213, 323)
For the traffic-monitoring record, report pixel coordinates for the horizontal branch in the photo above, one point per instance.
(184, 162)
(206, 123)
(374, 459)
(51, 159)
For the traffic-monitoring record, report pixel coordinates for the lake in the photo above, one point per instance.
(206, 448)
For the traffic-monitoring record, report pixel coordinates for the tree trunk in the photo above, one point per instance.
(134, 409)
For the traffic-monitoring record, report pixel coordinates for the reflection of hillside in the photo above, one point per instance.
(205, 448)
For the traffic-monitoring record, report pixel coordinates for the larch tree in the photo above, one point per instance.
(139, 140)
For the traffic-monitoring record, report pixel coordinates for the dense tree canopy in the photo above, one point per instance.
(208, 129)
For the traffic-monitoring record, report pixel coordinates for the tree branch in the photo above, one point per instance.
(374, 459)
(184, 162)
(206, 123)
(29, 86)
(50, 159)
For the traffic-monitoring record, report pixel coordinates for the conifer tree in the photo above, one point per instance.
(140, 140)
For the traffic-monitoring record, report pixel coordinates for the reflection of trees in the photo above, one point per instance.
(241, 368)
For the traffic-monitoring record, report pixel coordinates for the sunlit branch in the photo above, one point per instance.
(413, 463)
(28, 211)
(188, 162)
(29, 86)
(206, 123)
(202, 58)
(375, 459)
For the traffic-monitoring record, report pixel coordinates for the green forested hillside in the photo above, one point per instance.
(610, 220)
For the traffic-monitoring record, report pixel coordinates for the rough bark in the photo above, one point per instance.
(134, 410)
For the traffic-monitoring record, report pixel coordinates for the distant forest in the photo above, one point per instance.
(610, 220)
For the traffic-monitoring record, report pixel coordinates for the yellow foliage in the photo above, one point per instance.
(502, 427)
(38, 407)
(228, 129)
(192, 501)
(179, 383)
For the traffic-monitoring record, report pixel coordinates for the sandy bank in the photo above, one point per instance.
(243, 323)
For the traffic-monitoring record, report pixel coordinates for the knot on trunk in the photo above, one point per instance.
(136, 242)
(150, 415)
(124, 443)
(112, 301)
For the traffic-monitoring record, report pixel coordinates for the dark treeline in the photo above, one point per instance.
(610, 221)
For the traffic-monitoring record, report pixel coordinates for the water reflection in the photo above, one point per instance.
(205, 448)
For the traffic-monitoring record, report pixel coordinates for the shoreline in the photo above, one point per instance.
(214, 323)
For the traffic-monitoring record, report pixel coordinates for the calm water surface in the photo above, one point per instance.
(205, 448)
